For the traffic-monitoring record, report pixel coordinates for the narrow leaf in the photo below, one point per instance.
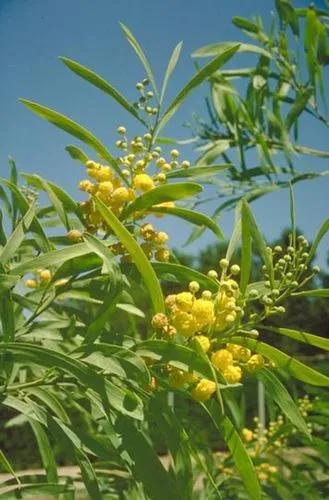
(100, 83)
(200, 77)
(137, 255)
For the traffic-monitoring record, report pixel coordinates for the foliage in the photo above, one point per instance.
(257, 114)
(112, 378)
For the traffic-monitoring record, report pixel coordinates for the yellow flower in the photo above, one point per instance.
(239, 353)
(222, 359)
(232, 374)
(143, 182)
(204, 342)
(203, 311)
(74, 235)
(161, 238)
(184, 323)
(100, 173)
(159, 321)
(247, 435)
(86, 186)
(194, 286)
(204, 390)
(105, 187)
(170, 301)
(162, 255)
(45, 275)
(184, 301)
(255, 363)
(31, 283)
(147, 231)
(120, 196)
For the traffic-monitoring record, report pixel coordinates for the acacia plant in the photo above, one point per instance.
(108, 344)
(259, 110)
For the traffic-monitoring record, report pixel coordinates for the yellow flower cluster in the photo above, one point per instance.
(204, 318)
(42, 277)
(142, 168)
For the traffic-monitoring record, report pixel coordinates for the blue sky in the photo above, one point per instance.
(33, 33)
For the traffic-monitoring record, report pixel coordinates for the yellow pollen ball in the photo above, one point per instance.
(184, 301)
(222, 359)
(31, 283)
(184, 323)
(204, 390)
(86, 186)
(162, 255)
(161, 237)
(203, 311)
(255, 363)
(45, 275)
(247, 435)
(120, 196)
(143, 182)
(194, 286)
(159, 321)
(232, 374)
(74, 235)
(105, 187)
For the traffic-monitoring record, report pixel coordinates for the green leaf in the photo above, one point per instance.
(137, 255)
(179, 356)
(318, 292)
(191, 216)
(36, 490)
(301, 336)
(217, 48)
(236, 234)
(179, 445)
(181, 274)
(298, 107)
(6, 466)
(246, 250)
(77, 154)
(291, 365)
(131, 309)
(144, 462)
(46, 452)
(7, 282)
(52, 258)
(16, 238)
(110, 267)
(321, 233)
(139, 51)
(278, 393)
(198, 78)
(73, 442)
(259, 241)
(73, 128)
(62, 201)
(100, 83)
(23, 205)
(167, 192)
(106, 356)
(199, 171)
(120, 399)
(240, 456)
(50, 400)
(170, 68)
(245, 24)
